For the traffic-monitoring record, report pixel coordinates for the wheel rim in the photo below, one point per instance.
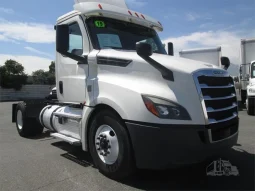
(19, 120)
(106, 144)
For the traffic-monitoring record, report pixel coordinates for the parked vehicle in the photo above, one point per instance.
(53, 94)
(128, 102)
(247, 56)
(250, 101)
(208, 55)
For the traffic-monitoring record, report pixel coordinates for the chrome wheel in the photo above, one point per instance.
(106, 144)
(19, 120)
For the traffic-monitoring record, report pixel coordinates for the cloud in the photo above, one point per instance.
(136, 3)
(227, 12)
(28, 32)
(6, 10)
(229, 41)
(192, 16)
(38, 51)
(30, 63)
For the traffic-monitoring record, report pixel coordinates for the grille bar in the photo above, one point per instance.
(219, 98)
(213, 87)
(218, 95)
(223, 120)
(209, 109)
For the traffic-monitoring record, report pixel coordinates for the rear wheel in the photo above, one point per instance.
(110, 146)
(26, 126)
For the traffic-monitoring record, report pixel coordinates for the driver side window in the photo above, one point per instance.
(75, 39)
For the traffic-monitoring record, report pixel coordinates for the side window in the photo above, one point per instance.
(75, 39)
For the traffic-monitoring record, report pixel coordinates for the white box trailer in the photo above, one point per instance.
(247, 57)
(208, 55)
(124, 99)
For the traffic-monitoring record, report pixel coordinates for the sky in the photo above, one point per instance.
(27, 27)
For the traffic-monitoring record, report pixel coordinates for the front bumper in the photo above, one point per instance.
(158, 146)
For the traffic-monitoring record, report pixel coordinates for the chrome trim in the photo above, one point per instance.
(211, 72)
(212, 87)
(212, 121)
(200, 94)
(207, 98)
(210, 110)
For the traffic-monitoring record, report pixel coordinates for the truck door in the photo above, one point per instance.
(72, 75)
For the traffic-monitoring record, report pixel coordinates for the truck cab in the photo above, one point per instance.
(250, 102)
(128, 102)
(247, 57)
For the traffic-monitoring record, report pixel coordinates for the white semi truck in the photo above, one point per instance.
(208, 55)
(247, 57)
(125, 100)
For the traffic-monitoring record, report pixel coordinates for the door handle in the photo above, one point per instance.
(61, 87)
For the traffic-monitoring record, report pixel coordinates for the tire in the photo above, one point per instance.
(26, 127)
(243, 96)
(250, 107)
(124, 164)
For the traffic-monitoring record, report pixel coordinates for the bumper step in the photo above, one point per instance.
(65, 138)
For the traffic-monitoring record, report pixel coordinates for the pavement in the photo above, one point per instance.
(46, 163)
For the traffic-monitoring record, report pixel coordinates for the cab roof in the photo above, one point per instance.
(110, 10)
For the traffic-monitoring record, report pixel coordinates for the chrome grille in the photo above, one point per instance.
(218, 95)
(54, 92)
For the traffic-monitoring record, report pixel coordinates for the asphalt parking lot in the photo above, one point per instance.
(45, 163)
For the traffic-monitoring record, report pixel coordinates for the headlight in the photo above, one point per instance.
(165, 109)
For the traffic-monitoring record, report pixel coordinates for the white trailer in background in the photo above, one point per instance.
(208, 55)
(247, 57)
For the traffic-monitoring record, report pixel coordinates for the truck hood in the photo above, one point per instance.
(181, 64)
(173, 63)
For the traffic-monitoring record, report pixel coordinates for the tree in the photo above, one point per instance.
(12, 75)
(14, 68)
(52, 68)
(39, 77)
(43, 77)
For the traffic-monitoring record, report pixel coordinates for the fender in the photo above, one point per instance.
(87, 113)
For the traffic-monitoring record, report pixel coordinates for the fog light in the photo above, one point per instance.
(176, 112)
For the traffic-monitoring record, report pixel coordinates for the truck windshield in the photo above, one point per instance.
(121, 35)
(253, 70)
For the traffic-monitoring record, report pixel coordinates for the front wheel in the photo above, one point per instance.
(110, 146)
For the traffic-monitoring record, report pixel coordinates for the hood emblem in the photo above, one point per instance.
(217, 72)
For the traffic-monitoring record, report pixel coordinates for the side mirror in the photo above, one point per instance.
(170, 49)
(62, 38)
(144, 49)
(225, 62)
(62, 44)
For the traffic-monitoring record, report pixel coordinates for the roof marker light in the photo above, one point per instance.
(130, 13)
(100, 6)
(137, 15)
(142, 16)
